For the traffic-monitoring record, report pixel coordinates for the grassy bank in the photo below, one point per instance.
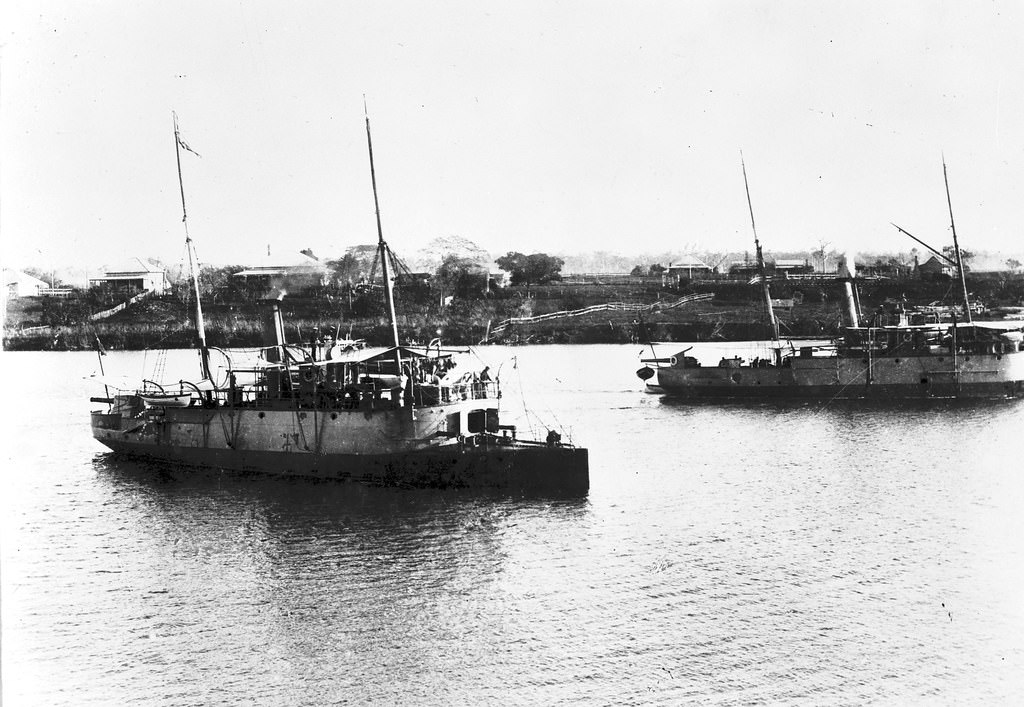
(734, 313)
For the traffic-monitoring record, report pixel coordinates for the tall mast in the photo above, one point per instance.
(204, 352)
(760, 262)
(956, 248)
(382, 248)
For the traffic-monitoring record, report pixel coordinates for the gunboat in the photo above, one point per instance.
(897, 355)
(400, 416)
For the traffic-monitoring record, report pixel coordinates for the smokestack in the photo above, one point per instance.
(273, 326)
(847, 272)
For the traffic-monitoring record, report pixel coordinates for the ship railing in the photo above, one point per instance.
(427, 395)
(352, 395)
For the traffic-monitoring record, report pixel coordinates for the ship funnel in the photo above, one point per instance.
(273, 327)
(847, 272)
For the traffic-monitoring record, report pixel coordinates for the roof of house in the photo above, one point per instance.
(935, 261)
(132, 266)
(22, 278)
(284, 262)
(688, 261)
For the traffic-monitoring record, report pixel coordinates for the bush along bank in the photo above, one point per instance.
(734, 314)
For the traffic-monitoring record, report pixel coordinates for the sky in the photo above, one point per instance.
(548, 126)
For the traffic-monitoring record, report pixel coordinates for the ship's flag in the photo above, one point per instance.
(185, 146)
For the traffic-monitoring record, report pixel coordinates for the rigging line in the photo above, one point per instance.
(225, 428)
(302, 431)
(522, 396)
(373, 268)
(558, 423)
(152, 347)
(854, 379)
(544, 424)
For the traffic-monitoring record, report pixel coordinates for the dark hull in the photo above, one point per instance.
(518, 467)
(980, 391)
(913, 377)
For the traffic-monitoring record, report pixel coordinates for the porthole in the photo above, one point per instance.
(262, 415)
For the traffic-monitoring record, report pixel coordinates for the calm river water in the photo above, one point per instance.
(726, 554)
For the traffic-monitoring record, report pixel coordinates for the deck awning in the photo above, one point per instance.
(407, 352)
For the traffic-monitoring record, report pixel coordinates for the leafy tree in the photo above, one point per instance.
(514, 263)
(1013, 264)
(641, 271)
(346, 270)
(461, 277)
(534, 269)
(219, 283)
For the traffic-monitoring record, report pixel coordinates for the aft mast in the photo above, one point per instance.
(956, 248)
(382, 249)
(204, 352)
(772, 323)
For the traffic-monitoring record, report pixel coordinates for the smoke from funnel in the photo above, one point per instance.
(847, 266)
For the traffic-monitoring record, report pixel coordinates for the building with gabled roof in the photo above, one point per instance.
(21, 284)
(133, 275)
(289, 268)
(687, 267)
(936, 267)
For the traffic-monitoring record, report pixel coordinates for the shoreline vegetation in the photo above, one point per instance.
(729, 311)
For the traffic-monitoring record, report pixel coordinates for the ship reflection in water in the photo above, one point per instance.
(374, 582)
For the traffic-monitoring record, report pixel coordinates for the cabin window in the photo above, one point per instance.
(454, 428)
(475, 421)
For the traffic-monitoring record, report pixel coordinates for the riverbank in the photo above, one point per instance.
(712, 311)
(700, 321)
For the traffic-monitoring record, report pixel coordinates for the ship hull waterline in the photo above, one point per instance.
(479, 462)
(990, 377)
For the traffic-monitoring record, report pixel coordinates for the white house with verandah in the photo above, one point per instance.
(287, 269)
(132, 276)
(687, 267)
